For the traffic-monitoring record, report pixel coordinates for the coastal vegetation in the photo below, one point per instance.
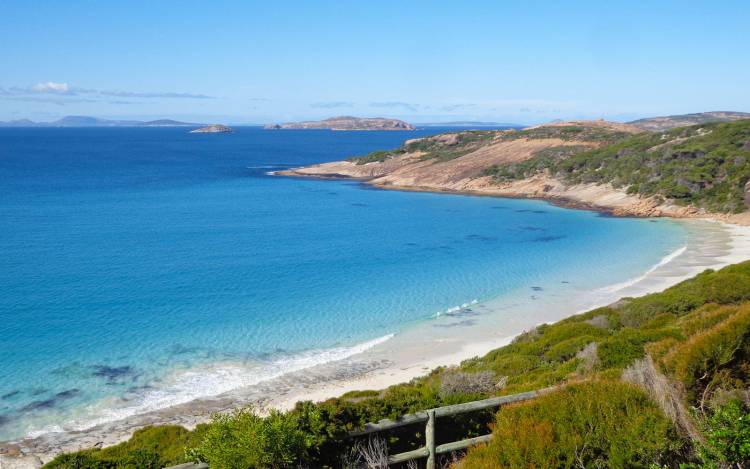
(446, 147)
(655, 381)
(706, 165)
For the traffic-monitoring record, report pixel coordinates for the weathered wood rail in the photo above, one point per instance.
(429, 417)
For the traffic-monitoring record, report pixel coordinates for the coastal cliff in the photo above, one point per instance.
(346, 123)
(693, 171)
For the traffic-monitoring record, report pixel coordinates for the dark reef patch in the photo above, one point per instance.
(527, 210)
(51, 402)
(464, 323)
(8, 395)
(537, 288)
(68, 394)
(112, 373)
(477, 237)
(546, 239)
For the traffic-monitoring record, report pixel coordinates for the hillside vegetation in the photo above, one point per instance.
(706, 166)
(446, 147)
(659, 380)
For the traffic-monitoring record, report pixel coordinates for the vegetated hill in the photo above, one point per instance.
(655, 381)
(706, 166)
(659, 124)
(347, 123)
(452, 161)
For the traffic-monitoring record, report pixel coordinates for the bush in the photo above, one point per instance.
(149, 447)
(244, 440)
(459, 382)
(697, 360)
(595, 424)
(727, 433)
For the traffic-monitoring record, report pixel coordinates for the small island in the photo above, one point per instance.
(212, 129)
(346, 123)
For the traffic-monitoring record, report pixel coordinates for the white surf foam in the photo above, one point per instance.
(205, 382)
(630, 282)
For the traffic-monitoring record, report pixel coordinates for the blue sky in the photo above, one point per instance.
(257, 62)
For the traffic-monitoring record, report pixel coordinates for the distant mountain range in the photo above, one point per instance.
(468, 124)
(658, 124)
(346, 123)
(87, 121)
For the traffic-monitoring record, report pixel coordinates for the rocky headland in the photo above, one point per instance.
(573, 163)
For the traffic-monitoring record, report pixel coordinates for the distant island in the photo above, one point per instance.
(346, 123)
(88, 121)
(212, 129)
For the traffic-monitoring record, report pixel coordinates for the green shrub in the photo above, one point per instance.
(244, 440)
(727, 433)
(149, 447)
(695, 361)
(595, 424)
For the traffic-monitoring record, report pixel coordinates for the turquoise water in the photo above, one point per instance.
(132, 256)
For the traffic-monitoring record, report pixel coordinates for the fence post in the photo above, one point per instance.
(430, 437)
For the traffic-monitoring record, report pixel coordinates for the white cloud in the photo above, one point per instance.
(51, 87)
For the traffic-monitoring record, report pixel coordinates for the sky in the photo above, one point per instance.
(422, 61)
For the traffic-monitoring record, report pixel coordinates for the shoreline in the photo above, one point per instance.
(602, 198)
(398, 360)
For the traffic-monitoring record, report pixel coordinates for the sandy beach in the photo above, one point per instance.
(463, 332)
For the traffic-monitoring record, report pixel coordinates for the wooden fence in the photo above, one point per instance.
(430, 450)
(430, 416)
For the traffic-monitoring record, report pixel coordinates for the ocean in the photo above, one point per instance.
(137, 263)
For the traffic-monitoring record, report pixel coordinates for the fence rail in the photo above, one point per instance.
(429, 417)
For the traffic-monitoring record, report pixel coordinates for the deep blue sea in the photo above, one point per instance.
(130, 256)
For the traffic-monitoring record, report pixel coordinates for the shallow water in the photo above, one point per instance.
(145, 267)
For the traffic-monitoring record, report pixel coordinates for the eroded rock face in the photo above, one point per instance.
(747, 193)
